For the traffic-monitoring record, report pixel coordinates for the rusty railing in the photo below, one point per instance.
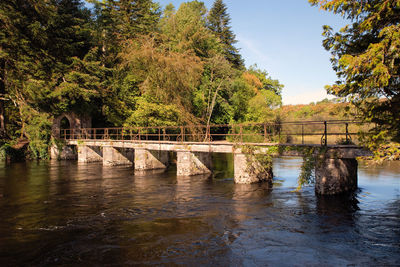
(308, 132)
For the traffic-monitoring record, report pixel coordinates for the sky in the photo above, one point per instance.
(285, 39)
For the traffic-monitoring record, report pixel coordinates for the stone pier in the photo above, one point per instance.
(193, 163)
(335, 173)
(150, 159)
(89, 153)
(335, 176)
(249, 170)
(114, 156)
(63, 153)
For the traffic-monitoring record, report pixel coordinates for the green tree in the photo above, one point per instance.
(39, 43)
(366, 58)
(267, 82)
(219, 24)
(116, 21)
(185, 30)
(165, 76)
(261, 106)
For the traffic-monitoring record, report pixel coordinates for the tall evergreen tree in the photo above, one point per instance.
(218, 23)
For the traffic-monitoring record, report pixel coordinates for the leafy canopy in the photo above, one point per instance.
(366, 58)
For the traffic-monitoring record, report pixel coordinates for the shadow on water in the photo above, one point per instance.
(344, 204)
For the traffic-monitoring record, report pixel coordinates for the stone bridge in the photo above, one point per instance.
(148, 148)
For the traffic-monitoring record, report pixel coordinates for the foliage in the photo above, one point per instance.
(325, 110)
(365, 56)
(149, 114)
(38, 131)
(380, 145)
(263, 160)
(123, 63)
(9, 153)
(307, 173)
(261, 106)
(218, 23)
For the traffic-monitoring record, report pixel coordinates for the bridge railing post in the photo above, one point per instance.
(326, 133)
(265, 133)
(241, 133)
(302, 134)
(279, 135)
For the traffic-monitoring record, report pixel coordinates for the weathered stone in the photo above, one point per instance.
(75, 121)
(193, 163)
(150, 160)
(248, 170)
(335, 176)
(89, 154)
(113, 156)
(63, 153)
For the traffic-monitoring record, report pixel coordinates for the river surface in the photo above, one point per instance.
(65, 213)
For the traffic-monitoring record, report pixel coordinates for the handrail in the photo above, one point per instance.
(284, 132)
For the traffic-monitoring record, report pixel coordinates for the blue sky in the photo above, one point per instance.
(284, 38)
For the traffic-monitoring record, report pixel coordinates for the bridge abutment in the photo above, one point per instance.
(193, 163)
(150, 159)
(89, 154)
(114, 156)
(63, 153)
(249, 170)
(335, 176)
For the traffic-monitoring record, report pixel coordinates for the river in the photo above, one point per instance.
(65, 213)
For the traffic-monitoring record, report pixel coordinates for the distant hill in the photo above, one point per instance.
(320, 111)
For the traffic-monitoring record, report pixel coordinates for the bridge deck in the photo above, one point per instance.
(333, 151)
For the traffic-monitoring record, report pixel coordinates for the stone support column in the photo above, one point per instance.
(193, 163)
(89, 154)
(150, 160)
(335, 176)
(113, 156)
(248, 170)
(65, 153)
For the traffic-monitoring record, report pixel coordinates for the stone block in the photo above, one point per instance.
(89, 154)
(114, 156)
(335, 176)
(64, 153)
(193, 163)
(150, 160)
(248, 170)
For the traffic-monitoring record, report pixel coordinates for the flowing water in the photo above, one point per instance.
(65, 213)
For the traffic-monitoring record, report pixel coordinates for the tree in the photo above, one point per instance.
(117, 21)
(366, 58)
(41, 43)
(186, 30)
(218, 23)
(165, 76)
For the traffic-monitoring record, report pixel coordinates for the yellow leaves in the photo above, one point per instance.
(253, 81)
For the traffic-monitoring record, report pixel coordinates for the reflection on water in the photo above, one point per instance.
(68, 213)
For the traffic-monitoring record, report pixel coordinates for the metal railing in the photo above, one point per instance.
(307, 132)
